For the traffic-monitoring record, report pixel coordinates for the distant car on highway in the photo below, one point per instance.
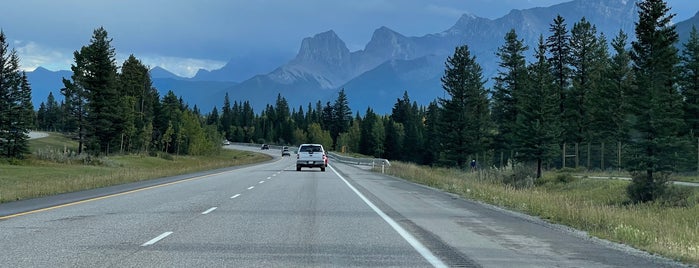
(226, 142)
(285, 151)
(265, 147)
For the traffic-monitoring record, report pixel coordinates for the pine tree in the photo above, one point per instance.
(432, 140)
(511, 79)
(76, 108)
(558, 45)
(537, 129)
(407, 115)
(586, 78)
(137, 94)
(465, 114)
(106, 115)
(226, 117)
(341, 116)
(656, 106)
(689, 82)
(11, 128)
(612, 102)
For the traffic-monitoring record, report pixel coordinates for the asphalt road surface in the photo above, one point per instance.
(270, 215)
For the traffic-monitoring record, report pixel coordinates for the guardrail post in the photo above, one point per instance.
(383, 168)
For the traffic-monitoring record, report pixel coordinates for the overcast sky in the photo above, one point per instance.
(183, 36)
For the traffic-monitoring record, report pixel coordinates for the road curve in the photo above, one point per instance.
(269, 215)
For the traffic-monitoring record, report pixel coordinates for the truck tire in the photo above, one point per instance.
(298, 168)
(322, 169)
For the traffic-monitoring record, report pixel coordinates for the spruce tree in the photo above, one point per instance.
(466, 124)
(511, 80)
(689, 82)
(341, 116)
(537, 129)
(613, 103)
(656, 105)
(432, 140)
(558, 45)
(586, 63)
(137, 94)
(106, 115)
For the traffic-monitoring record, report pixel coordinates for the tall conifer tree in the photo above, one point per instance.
(466, 124)
(656, 105)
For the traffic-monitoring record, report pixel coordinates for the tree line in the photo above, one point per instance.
(644, 93)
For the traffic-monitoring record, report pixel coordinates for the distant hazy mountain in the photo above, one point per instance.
(44, 81)
(685, 27)
(389, 64)
(243, 67)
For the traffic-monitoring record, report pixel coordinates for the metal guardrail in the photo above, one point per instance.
(374, 162)
(380, 162)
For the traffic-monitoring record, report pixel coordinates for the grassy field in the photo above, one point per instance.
(599, 207)
(36, 177)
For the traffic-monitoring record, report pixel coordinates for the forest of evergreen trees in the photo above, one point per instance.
(642, 96)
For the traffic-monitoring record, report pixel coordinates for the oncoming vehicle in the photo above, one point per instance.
(311, 156)
(265, 147)
(285, 151)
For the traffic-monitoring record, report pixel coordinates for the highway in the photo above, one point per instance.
(269, 215)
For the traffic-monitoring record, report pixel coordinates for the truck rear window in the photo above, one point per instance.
(310, 149)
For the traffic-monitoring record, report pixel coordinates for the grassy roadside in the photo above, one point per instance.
(34, 177)
(599, 207)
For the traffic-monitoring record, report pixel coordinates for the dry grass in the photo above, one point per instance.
(34, 177)
(599, 207)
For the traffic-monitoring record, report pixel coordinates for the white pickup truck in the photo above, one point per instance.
(311, 155)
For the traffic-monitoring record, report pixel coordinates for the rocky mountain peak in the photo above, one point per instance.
(324, 47)
(388, 44)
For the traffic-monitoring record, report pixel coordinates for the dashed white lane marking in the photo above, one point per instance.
(251, 187)
(155, 240)
(235, 196)
(209, 210)
(261, 182)
(419, 247)
(269, 178)
(274, 175)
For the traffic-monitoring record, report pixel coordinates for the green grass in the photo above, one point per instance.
(599, 207)
(32, 177)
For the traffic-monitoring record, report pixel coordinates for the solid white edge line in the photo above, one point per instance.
(209, 210)
(251, 187)
(155, 240)
(419, 247)
(232, 197)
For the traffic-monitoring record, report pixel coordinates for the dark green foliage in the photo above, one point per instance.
(537, 129)
(139, 97)
(558, 45)
(588, 60)
(341, 116)
(16, 110)
(689, 82)
(656, 106)
(609, 100)
(408, 131)
(465, 124)
(95, 80)
(431, 148)
(511, 81)
(371, 141)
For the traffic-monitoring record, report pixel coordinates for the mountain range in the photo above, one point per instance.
(389, 64)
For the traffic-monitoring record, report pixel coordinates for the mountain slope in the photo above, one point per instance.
(324, 62)
(44, 81)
